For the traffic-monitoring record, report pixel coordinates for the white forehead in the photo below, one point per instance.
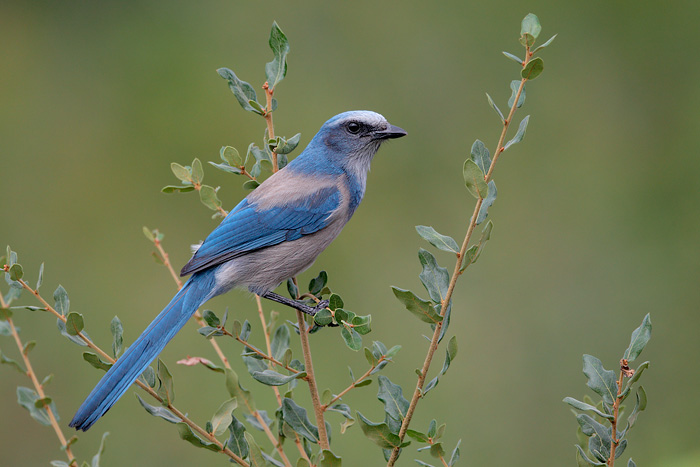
(372, 119)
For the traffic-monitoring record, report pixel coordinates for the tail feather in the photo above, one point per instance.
(144, 350)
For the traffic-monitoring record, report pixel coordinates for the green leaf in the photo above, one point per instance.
(549, 41)
(231, 156)
(28, 346)
(436, 279)
(487, 203)
(630, 463)
(197, 171)
(255, 453)
(276, 70)
(516, 59)
(639, 406)
(207, 195)
(318, 283)
(288, 145)
(227, 168)
(437, 451)
(257, 107)
(587, 407)
(223, 417)
(480, 155)
(473, 253)
(27, 398)
(149, 234)
(95, 361)
(236, 440)
(61, 301)
(280, 342)
(527, 40)
(40, 279)
(432, 429)
(361, 324)
(530, 25)
(243, 91)
(351, 337)
(600, 380)
(455, 455)
(254, 363)
(395, 405)
(96, 458)
(637, 374)
(236, 390)
(188, 435)
(173, 188)
(16, 272)
(5, 329)
(423, 464)
(117, 331)
(210, 318)
(64, 331)
(165, 390)
(335, 302)
(183, 173)
(295, 416)
(328, 459)
(533, 69)
(251, 185)
(514, 86)
(416, 305)
(582, 455)
(148, 377)
(41, 403)
(209, 331)
(74, 323)
(495, 108)
(442, 242)
(323, 317)
(13, 363)
(520, 134)
(417, 435)
(272, 378)
(380, 433)
(474, 179)
(640, 338)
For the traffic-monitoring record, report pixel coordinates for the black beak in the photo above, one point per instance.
(391, 133)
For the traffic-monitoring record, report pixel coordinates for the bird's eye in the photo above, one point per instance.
(354, 127)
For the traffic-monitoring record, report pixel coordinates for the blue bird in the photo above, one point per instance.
(275, 233)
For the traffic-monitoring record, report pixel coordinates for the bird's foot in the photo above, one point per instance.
(297, 305)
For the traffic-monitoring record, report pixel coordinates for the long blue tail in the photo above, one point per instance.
(198, 289)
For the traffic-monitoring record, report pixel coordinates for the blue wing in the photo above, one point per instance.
(248, 228)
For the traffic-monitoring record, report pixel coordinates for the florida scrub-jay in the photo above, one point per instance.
(276, 232)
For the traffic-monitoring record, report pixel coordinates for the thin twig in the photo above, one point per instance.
(417, 394)
(222, 211)
(268, 120)
(616, 411)
(39, 389)
(313, 389)
(266, 333)
(210, 437)
(352, 385)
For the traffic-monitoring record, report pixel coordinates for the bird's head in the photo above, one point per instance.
(351, 139)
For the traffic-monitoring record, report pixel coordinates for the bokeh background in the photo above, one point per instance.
(596, 223)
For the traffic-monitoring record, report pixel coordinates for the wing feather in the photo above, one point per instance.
(248, 228)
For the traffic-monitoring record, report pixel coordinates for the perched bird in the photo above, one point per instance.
(276, 232)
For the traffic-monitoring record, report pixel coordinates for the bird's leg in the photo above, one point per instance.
(309, 310)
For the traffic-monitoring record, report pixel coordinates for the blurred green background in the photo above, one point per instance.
(596, 223)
